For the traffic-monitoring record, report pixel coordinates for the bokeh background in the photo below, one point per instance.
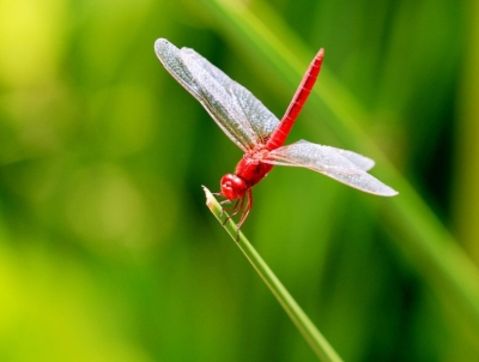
(107, 252)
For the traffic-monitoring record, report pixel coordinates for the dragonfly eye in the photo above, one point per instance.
(232, 186)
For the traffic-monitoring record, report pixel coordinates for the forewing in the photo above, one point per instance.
(259, 118)
(344, 166)
(236, 111)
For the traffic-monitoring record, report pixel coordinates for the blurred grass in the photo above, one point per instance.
(468, 128)
(106, 251)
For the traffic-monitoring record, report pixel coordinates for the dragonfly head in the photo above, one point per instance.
(232, 186)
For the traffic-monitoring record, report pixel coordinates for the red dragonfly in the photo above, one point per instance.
(257, 131)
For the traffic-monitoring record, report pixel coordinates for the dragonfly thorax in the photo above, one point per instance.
(233, 187)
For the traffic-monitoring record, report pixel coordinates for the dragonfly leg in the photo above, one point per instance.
(222, 209)
(245, 212)
(247, 209)
(227, 202)
(237, 207)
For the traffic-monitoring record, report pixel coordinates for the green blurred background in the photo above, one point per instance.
(107, 252)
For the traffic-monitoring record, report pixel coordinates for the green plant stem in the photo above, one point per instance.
(315, 339)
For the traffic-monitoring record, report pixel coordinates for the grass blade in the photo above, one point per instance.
(313, 336)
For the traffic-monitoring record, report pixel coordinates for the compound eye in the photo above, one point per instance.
(228, 186)
(232, 187)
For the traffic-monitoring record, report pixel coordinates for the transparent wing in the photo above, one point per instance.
(244, 119)
(253, 111)
(362, 162)
(344, 166)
